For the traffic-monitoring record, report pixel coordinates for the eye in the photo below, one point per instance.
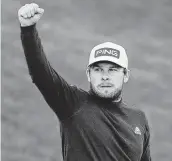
(97, 69)
(113, 69)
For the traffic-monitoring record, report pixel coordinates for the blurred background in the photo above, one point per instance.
(69, 29)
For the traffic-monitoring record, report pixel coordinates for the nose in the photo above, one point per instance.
(105, 77)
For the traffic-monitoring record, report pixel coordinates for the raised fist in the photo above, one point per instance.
(29, 14)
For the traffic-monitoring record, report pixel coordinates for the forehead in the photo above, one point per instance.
(105, 64)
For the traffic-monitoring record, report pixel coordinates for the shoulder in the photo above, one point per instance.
(132, 110)
(78, 89)
(137, 115)
(79, 92)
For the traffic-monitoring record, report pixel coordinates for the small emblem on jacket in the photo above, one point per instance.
(137, 131)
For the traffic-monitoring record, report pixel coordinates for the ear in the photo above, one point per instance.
(88, 74)
(126, 75)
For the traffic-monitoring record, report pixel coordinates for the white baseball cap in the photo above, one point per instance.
(111, 52)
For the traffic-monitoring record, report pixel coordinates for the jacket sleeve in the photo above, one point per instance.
(146, 156)
(60, 96)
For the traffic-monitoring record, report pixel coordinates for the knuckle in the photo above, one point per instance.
(32, 12)
(21, 12)
(24, 15)
(31, 9)
(24, 12)
(34, 5)
(28, 13)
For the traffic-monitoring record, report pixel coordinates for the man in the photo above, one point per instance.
(95, 125)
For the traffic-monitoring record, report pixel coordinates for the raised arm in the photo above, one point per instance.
(60, 96)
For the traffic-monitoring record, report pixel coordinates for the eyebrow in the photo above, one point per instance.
(96, 65)
(112, 66)
(116, 66)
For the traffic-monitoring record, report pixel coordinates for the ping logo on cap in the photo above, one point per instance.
(107, 52)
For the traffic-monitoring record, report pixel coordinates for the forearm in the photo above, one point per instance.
(36, 60)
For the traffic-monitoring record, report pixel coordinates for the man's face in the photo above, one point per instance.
(106, 79)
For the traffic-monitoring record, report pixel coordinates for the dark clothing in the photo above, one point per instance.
(92, 129)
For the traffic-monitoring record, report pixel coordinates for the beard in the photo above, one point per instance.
(113, 95)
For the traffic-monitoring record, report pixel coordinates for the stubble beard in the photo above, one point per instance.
(114, 95)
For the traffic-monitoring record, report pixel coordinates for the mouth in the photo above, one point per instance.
(106, 85)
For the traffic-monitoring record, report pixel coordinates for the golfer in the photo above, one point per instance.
(95, 125)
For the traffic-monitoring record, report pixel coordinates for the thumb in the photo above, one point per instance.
(40, 10)
(37, 17)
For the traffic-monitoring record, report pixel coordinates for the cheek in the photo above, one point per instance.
(95, 79)
(118, 81)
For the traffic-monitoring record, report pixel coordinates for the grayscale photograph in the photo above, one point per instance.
(86, 80)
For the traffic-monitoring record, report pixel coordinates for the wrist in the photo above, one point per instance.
(27, 28)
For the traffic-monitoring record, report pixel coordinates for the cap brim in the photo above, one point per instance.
(103, 61)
